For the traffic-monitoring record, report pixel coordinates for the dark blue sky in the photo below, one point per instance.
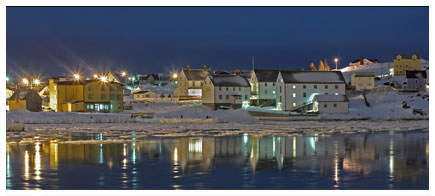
(55, 40)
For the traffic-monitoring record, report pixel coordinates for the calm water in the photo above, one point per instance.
(384, 160)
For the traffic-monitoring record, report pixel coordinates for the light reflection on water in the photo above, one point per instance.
(312, 161)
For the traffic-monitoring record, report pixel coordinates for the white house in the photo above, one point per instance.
(296, 89)
(363, 80)
(144, 95)
(190, 82)
(330, 104)
(263, 87)
(226, 90)
(415, 81)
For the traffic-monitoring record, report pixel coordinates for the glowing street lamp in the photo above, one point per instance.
(175, 76)
(123, 73)
(25, 81)
(77, 76)
(7, 79)
(95, 76)
(103, 79)
(36, 81)
(336, 63)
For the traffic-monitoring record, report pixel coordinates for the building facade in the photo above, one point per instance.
(363, 80)
(226, 90)
(144, 95)
(330, 104)
(415, 81)
(263, 87)
(85, 96)
(404, 62)
(190, 82)
(296, 89)
(26, 99)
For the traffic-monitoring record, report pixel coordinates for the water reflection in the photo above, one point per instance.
(320, 162)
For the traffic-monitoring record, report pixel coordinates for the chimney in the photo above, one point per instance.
(188, 67)
(204, 68)
(361, 60)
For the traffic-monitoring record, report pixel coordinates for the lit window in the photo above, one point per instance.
(294, 86)
(294, 94)
(294, 104)
(220, 96)
(336, 93)
(304, 86)
(273, 92)
(227, 97)
(305, 94)
(55, 87)
(325, 106)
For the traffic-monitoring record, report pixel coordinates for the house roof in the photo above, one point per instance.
(195, 74)
(266, 75)
(416, 74)
(312, 77)
(358, 60)
(407, 56)
(331, 98)
(364, 74)
(22, 94)
(229, 80)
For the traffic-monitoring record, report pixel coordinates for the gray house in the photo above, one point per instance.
(26, 99)
(263, 87)
(415, 81)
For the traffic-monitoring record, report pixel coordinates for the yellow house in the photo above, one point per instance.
(403, 62)
(85, 96)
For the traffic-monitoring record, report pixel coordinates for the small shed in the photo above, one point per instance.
(144, 95)
(331, 104)
(26, 99)
(363, 80)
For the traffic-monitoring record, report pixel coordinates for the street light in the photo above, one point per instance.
(336, 63)
(36, 81)
(95, 76)
(123, 73)
(25, 81)
(174, 76)
(77, 76)
(7, 79)
(103, 79)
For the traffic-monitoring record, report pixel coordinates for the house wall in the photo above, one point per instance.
(263, 93)
(341, 107)
(287, 91)
(144, 96)
(222, 92)
(401, 65)
(64, 93)
(97, 92)
(415, 84)
(183, 85)
(116, 98)
(208, 92)
(17, 103)
(363, 83)
(33, 102)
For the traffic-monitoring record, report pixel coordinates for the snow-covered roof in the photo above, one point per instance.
(195, 74)
(140, 92)
(407, 56)
(266, 75)
(416, 74)
(312, 77)
(22, 94)
(331, 98)
(229, 80)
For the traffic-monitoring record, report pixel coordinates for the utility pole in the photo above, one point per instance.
(253, 63)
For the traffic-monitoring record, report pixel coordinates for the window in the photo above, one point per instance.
(336, 93)
(90, 96)
(280, 99)
(273, 83)
(326, 93)
(106, 107)
(280, 89)
(305, 94)
(87, 106)
(294, 94)
(265, 84)
(336, 86)
(234, 88)
(315, 86)
(226, 88)
(416, 81)
(220, 96)
(55, 87)
(55, 96)
(305, 103)
(304, 86)
(335, 105)
(294, 104)
(90, 87)
(102, 88)
(246, 96)
(240, 88)
(406, 65)
(103, 96)
(118, 97)
(273, 92)
(326, 86)
(220, 89)
(294, 86)
(265, 91)
(369, 84)
(227, 97)
(92, 107)
(119, 105)
(325, 106)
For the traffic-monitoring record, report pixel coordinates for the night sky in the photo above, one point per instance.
(54, 41)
